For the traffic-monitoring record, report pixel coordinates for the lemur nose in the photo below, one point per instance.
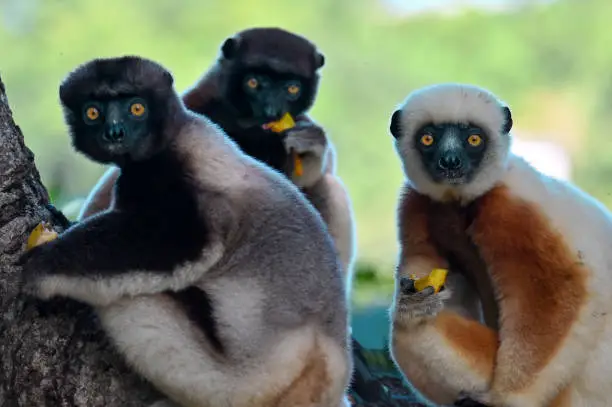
(114, 133)
(272, 111)
(449, 162)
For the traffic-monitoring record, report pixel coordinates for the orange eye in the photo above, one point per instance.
(92, 113)
(474, 140)
(427, 140)
(137, 109)
(252, 83)
(293, 89)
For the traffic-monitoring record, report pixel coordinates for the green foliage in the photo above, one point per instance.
(551, 63)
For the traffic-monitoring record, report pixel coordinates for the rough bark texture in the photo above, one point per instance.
(52, 353)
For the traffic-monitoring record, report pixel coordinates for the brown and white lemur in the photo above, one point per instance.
(261, 74)
(214, 277)
(544, 243)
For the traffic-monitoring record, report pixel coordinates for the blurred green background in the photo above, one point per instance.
(550, 60)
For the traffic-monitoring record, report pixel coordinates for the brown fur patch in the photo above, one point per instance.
(475, 343)
(309, 387)
(540, 283)
(417, 249)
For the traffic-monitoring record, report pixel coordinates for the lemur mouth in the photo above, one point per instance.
(452, 176)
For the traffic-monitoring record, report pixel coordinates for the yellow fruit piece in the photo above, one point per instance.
(42, 233)
(298, 168)
(435, 279)
(285, 122)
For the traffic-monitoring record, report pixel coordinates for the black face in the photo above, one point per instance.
(451, 152)
(263, 96)
(113, 128)
(271, 97)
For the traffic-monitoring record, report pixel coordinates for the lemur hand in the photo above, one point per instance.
(413, 307)
(306, 138)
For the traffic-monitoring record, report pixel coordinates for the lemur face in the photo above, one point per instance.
(451, 153)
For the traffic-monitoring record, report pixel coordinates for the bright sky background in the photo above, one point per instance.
(416, 6)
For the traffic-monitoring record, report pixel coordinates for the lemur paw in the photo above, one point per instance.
(415, 306)
(306, 138)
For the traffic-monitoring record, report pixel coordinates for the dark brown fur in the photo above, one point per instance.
(435, 234)
(448, 224)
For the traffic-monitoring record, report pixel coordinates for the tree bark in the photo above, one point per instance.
(52, 353)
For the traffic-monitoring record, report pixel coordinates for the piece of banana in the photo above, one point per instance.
(435, 279)
(287, 122)
(42, 233)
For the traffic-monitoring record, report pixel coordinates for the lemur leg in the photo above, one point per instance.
(299, 368)
(88, 262)
(441, 352)
(100, 197)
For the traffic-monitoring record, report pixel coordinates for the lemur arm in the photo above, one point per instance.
(309, 141)
(418, 255)
(112, 255)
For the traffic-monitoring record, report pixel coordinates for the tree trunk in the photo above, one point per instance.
(52, 353)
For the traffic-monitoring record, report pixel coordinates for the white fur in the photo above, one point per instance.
(455, 103)
(100, 292)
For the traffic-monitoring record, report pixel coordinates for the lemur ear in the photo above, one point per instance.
(507, 120)
(229, 49)
(319, 60)
(169, 79)
(394, 126)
